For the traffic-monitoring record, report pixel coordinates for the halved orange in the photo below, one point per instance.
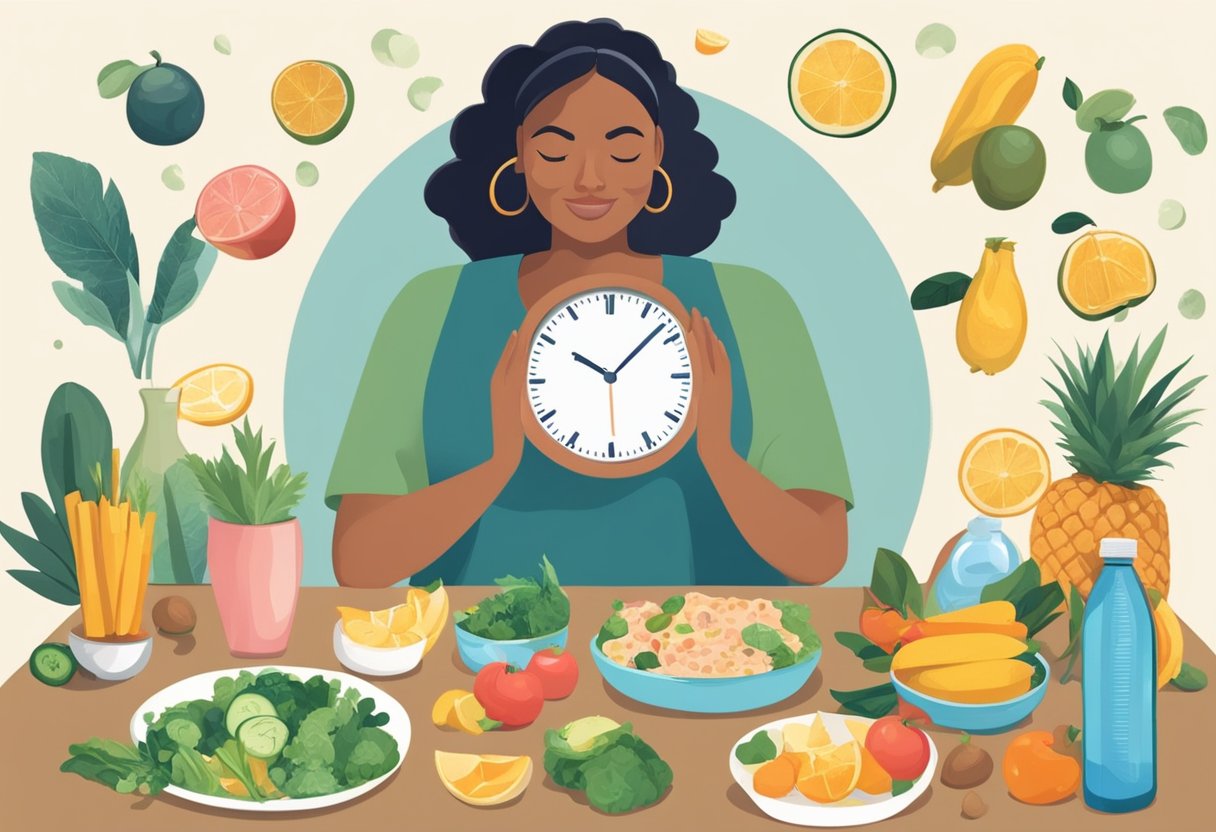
(1004, 472)
(832, 774)
(483, 779)
(1104, 272)
(841, 84)
(710, 43)
(313, 100)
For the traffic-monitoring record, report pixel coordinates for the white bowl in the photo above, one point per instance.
(112, 661)
(376, 661)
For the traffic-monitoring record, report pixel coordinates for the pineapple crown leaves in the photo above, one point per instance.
(252, 495)
(1111, 428)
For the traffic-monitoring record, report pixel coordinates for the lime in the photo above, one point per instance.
(1118, 158)
(1008, 166)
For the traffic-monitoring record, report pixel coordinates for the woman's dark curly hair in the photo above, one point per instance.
(483, 137)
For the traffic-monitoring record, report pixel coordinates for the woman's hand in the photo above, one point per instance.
(506, 388)
(714, 391)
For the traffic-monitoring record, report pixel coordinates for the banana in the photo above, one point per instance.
(972, 683)
(995, 93)
(1169, 643)
(956, 649)
(989, 612)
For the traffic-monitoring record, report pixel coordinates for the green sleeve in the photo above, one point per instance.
(382, 451)
(795, 443)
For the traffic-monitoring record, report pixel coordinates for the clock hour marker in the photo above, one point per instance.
(573, 314)
(549, 416)
(666, 413)
(547, 339)
(542, 381)
(646, 439)
(573, 437)
(646, 309)
(676, 375)
(610, 304)
(611, 450)
(675, 337)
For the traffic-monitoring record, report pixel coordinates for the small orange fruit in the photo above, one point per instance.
(1036, 773)
(710, 43)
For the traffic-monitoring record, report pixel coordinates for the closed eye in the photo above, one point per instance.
(551, 158)
(630, 159)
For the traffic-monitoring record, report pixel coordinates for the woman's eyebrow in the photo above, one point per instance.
(551, 128)
(623, 130)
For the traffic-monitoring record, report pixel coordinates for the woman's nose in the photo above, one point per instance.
(588, 179)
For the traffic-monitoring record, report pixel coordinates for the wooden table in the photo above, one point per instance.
(41, 721)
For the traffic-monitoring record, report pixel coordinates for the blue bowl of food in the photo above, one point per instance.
(478, 651)
(513, 625)
(705, 654)
(979, 718)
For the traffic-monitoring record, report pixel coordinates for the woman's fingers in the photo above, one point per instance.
(708, 340)
(508, 350)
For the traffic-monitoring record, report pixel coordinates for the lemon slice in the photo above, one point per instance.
(483, 779)
(368, 633)
(215, 394)
(443, 706)
(467, 714)
(710, 43)
(1004, 472)
(841, 84)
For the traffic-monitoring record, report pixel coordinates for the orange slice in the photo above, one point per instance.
(832, 774)
(352, 614)
(874, 778)
(777, 777)
(1004, 472)
(483, 779)
(841, 84)
(313, 100)
(1104, 272)
(368, 633)
(444, 705)
(215, 394)
(710, 43)
(799, 736)
(467, 714)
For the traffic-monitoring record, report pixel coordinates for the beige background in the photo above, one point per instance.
(1162, 52)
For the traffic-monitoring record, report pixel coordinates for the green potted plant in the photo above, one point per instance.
(254, 547)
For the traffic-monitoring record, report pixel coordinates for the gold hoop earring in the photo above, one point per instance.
(670, 191)
(494, 183)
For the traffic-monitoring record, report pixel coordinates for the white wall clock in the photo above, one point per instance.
(611, 379)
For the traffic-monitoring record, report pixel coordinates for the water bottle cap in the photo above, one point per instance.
(984, 525)
(1118, 548)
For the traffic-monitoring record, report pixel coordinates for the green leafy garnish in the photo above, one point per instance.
(526, 609)
(617, 771)
(249, 496)
(940, 290)
(684, 629)
(759, 749)
(658, 623)
(646, 660)
(614, 627)
(871, 702)
(796, 619)
(1069, 222)
(894, 584)
(1188, 128)
(898, 787)
(1035, 602)
(673, 604)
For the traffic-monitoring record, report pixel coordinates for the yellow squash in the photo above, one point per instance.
(995, 93)
(973, 683)
(992, 319)
(956, 649)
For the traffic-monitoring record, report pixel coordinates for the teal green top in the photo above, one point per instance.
(422, 414)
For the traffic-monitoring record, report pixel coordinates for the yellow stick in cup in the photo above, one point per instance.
(94, 610)
(128, 593)
(145, 566)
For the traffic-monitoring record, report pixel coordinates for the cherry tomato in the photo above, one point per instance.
(902, 750)
(557, 671)
(511, 696)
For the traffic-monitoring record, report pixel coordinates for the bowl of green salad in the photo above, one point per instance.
(526, 616)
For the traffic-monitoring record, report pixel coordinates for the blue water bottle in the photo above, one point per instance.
(982, 556)
(1119, 686)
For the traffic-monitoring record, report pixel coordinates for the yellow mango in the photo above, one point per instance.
(992, 321)
(956, 649)
(972, 683)
(995, 93)
(989, 612)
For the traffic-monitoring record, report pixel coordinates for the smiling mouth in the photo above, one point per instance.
(589, 208)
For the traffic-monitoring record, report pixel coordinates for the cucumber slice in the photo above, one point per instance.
(244, 706)
(52, 664)
(263, 736)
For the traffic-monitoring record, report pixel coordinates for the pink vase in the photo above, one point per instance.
(255, 574)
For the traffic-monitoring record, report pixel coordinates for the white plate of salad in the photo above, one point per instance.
(261, 739)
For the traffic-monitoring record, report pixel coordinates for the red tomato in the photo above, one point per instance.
(902, 750)
(557, 671)
(511, 696)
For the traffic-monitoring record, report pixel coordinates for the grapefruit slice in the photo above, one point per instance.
(215, 394)
(246, 212)
(841, 84)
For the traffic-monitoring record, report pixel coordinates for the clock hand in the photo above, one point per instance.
(639, 347)
(611, 413)
(608, 375)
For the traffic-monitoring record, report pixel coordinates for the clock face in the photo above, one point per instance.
(609, 376)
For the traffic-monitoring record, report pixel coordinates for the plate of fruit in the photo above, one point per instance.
(833, 770)
(393, 640)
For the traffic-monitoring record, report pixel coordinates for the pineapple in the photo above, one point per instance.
(1114, 433)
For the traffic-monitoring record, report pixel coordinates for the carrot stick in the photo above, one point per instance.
(91, 606)
(145, 566)
(128, 592)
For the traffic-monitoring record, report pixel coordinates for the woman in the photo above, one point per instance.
(584, 159)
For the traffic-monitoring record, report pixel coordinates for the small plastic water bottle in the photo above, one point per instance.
(1119, 686)
(983, 555)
